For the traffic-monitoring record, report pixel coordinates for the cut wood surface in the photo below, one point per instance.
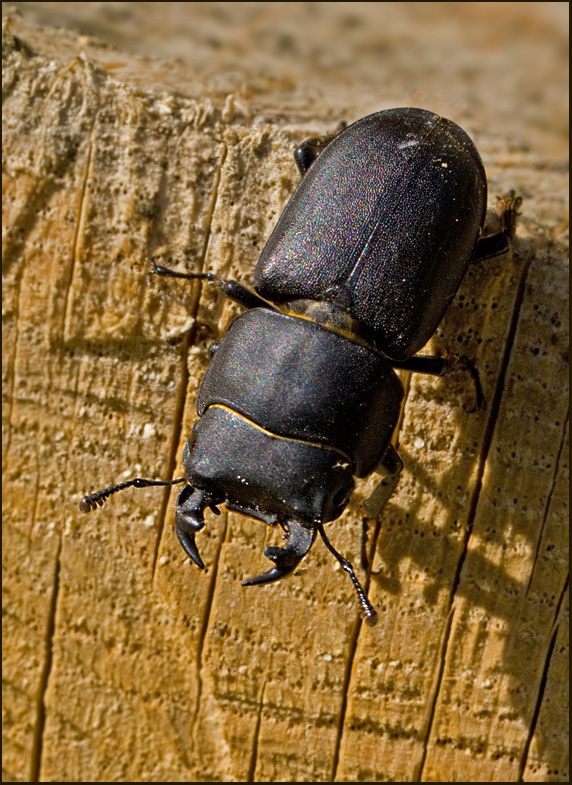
(122, 661)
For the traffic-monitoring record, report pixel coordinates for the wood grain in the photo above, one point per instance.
(121, 661)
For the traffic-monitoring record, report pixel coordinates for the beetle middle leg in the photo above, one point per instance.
(441, 366)
(390, 467)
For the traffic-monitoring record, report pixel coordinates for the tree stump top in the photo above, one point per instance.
(134, 130)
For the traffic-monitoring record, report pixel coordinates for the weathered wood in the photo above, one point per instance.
(124, 663)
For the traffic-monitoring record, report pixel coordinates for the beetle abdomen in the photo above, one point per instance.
(299, 380)
(392, 209)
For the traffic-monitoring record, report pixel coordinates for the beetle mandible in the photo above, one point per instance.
(301, 394)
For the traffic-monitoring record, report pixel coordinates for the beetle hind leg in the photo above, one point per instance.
(299, 541)
(310, 149)
(500, 243)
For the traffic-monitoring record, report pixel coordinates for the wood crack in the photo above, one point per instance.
(175, 440)
(491, 422)
(212, 584)
(548, 501)
(254, 755)
(487, 441)
(38, 738)
(541, 689)
(184, 372)
(438, 680)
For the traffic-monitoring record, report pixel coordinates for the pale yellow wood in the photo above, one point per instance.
(122, 662)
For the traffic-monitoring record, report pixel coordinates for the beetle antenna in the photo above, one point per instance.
(158, 269)
(368, 613)
(94, 500)
(231, 289)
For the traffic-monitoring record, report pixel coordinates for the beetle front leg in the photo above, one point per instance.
(499, 243)
(390, 467)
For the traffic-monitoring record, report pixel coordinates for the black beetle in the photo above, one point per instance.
(301, 394)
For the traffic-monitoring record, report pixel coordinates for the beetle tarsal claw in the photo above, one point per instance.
(286, 559)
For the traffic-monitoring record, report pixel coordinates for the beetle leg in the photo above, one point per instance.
(189, 519)
(364, 556)
(299, 541)
(307, 152)
(231, 289)
(368, 612)
(440, 366)
(499, 243)
(390, 467)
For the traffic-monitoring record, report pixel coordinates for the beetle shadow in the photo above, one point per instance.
(508, 607)
(467, 572)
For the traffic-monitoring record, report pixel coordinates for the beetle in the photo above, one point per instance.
(301, 394)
